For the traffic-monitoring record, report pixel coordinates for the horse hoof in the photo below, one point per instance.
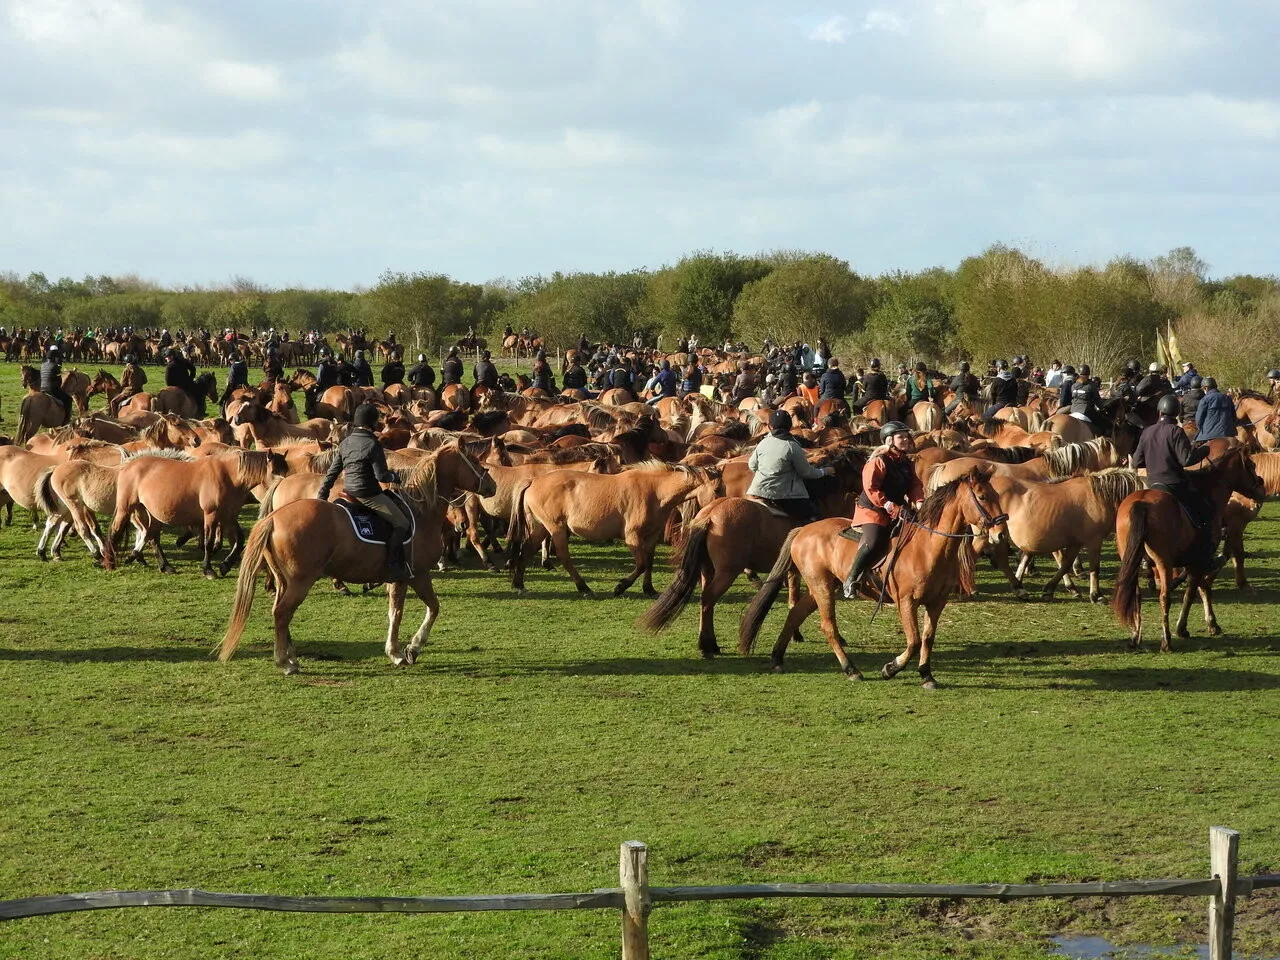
(620, 589)
(589, 594)
(890, 670)
(1215, 630)
(853, 674)
(223, 568)
(709, 653)
(930, 684)
(291, 669)
(1023, 595)
(168, 569)
(651, 593)
(43, 558)
(410, 658)
(210, 575)
(777, 668)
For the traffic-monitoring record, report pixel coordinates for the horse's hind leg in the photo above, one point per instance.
(426, 591)
(560, 540)
(289, 597)
(1206, 596)
(395, 610)
(713, 588)
(237, 547)
(50, 525)
(639, 556)
(796, 615)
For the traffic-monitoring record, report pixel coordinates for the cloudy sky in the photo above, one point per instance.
(319, 142)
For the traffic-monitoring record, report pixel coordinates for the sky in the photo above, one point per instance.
(318, 143)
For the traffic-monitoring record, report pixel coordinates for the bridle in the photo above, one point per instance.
(988, 521)
(479, 474)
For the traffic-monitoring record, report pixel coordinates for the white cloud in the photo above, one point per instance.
(242, 152)
(834, 29)
(244, 81)
(884, 20)
(574, 149)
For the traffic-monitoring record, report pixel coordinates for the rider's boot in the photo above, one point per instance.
(397, 568)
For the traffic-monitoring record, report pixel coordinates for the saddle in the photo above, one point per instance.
(368, 526)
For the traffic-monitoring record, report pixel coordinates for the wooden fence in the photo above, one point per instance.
(635, 898)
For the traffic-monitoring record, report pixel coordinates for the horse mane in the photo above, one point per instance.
(1009, 454)
(453, 420)
(636, 439)
(151, 433)
(488, 419)
(733, 430)
(1252, 395)
(322, 461)
(1068, 459)
(657, 466)
(597, 417)
(1114, 484)
(254, 465)
(421, 481)
(153, 452)
(1268, 467)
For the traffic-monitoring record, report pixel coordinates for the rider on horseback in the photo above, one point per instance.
(1165, 451)
(132, 380)
(875, 386)
(364, 461)
(889, 483)
(780, 469)
(181, 373)
(51, 379)
(451, 370)
(237, 377)
(421, 376)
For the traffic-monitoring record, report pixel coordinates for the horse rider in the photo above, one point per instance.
(1165, 450)
(484, 373)
(663, 383)
(392, 372)
(1154, 384)
(1004, 391)
(328, 373)
(809, 390)
(781, 468)
(363, 372)
(451, 369)
(1053, 376)
(272, 366)
(920, 386)
(832, 385)
(1273, 385)
(787, 379)
(875, 386)
(541, 374)
(1216, 414)
(1065, 388)
(1087, 403)
(237, 377)
(575, 378)
(965, 387)
(132, 379)
(1191, 398)
(1184, 382)
(180, 372)
(889, 484)
(691, 382)
(51, 379)
(619, 376)
(363, 461)
(421, 376)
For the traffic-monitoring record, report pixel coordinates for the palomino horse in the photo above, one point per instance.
(632, 506)
(172, 399)
(205, 494)
(1255, 412)
(1058, 464)
(925, 417)
(308, 539)
(1151, 523)
(1061, 517)
(736, 533)
(930, 557)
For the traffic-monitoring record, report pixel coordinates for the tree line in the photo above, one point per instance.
(1000, 302)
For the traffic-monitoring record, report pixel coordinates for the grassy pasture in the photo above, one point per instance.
(534, 735)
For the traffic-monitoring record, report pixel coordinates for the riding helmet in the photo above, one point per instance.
(964, 366)
(366, 415)
(1169, 405)
(1002, 364)
(1273, 374)
(422, 357)
(1209, 383)
(892, 427)
(1197, 383)
(1068, 371)
(875, 364)
(780, 420)
(1084, 370)
(1155, 368)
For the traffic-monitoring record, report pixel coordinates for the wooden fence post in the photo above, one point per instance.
(633, 876)
(1224, 848)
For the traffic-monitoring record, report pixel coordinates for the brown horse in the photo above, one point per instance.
(205, 494)
(309, 539)
(1256, 413)
(632, 506)
(929, 559)
(37, 409)
(455, 396)
(172, 399)
(1151, 523)
(1063, 518)
(1057, 464)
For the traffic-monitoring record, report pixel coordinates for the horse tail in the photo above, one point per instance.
(255, 550)
(758, 609)
(42, 493)
(268, 499)
(692, 561)
(517, 533)
(1126, 602)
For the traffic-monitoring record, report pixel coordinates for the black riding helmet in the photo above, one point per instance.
(366, 415)
(1068, 371)
(780, 420)
(964, 366)
(892, 427)
(1169, 405)
(1273, 374)
(1197, 383)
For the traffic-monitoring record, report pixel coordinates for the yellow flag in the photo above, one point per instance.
(1162, 355)
(1174, 356)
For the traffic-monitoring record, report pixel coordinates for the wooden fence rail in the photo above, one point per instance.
(635, 898)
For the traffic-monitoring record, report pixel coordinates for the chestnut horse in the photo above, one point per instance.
(308, 539)
(36, 409)
(172, 399)
(929, 558)
(205, 494)
(1151, 523)
(632, 506)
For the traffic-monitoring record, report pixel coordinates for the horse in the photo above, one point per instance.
(266, 429)
(173, 399)
(1151, 523)
(305, 540)
(633, 506)
(205, 493)
(1061, 517)
(455, 396)
(1057, 464)
(19, 470)
(1255, 412)
(930, 557)
(37, 409)
(740, 533)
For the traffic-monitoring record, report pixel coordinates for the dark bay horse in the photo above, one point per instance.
(931, 556)
(308, 539)
(1151, 523)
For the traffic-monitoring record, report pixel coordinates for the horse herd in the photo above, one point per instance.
(542, 471)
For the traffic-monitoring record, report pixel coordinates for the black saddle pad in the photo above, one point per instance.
(369, 526)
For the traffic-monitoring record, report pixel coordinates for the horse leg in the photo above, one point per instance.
(152, 532)
(237, 547)
(1095, 561)
(560, 541)
(1066, 558)
(1000, 557)
(796, 615)
(395, 610)
(64, 528)
(426, 592)
(647, 588)
(907, 614)
(637, 549)
(1206, 597)
(1193, 581)
(50, 524)
(1166, 600)
(932, 613)
(289, 597)
(824, 596)
(713, 588)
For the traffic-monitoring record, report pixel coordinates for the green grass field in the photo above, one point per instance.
(534, 735)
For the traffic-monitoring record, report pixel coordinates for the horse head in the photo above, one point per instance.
(981, 506)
